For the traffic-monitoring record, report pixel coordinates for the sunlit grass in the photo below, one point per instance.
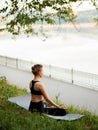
(7, 90)
(13, 117)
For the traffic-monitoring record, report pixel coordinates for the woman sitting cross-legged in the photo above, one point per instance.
(39, 94)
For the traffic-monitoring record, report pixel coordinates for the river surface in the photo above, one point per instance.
(65, 47)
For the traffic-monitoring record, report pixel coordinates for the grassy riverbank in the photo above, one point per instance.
(13, 117)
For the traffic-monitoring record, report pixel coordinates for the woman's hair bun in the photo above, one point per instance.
(36, 68)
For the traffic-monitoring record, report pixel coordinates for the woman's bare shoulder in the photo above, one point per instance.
(39, 84)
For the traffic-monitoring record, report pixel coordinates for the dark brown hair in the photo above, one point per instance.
(36, 69)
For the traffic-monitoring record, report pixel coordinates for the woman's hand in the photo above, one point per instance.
(63, 107)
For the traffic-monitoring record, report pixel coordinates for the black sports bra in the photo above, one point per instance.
(35, 92)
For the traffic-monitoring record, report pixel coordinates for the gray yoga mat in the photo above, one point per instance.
(69, 117)
(24, 101)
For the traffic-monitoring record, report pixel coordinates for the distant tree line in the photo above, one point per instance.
(21, 15)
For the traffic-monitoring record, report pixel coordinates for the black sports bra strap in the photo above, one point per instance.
(35, 92)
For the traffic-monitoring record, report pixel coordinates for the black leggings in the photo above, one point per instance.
(40, 107)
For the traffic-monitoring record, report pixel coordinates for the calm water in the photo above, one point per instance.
(65, 46)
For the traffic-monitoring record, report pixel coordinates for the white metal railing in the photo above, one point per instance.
(80, 78)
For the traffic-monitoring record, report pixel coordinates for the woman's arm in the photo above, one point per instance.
(30, 84)
(45, 95)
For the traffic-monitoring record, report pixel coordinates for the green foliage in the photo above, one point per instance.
(96, 19)
(21, 14)
(57, 99)
(7, 90)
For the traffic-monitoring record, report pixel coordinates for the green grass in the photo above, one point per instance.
(13, 117)
(7, 90)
